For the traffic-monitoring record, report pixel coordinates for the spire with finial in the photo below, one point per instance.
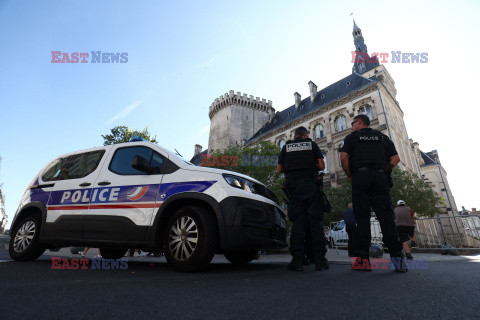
(363, 62)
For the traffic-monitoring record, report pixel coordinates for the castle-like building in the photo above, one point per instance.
(240, 119)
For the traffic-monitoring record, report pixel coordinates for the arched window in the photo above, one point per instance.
(281, 143)
(367, 110)
(326, 163)
(318, 131)
(340, 123)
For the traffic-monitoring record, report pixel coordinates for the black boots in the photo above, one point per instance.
(321, 263)
(398, 261)
(362, 261)
(296, 264)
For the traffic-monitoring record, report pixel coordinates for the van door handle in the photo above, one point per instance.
(85, 184)
(104, 183)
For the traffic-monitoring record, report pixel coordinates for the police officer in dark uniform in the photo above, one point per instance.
(367, 155)
(301, 159)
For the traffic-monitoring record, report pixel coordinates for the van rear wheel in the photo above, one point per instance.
(24, 243)
(191, 239)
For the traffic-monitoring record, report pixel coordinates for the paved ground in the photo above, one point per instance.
(448, 288)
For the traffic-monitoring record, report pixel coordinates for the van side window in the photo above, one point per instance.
(54, 171)
(122, 160)
(73, 167)
(81, 165)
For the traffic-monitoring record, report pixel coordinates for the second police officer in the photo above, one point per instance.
(301, 159)
(367, 155)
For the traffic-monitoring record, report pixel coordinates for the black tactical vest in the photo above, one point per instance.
(299, 155)
(369, 150)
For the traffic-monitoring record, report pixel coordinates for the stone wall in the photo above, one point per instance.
(234, 118)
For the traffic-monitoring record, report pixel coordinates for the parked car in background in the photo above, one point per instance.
(338, 234)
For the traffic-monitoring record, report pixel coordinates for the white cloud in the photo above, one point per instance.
(125, 111)
(207, 63)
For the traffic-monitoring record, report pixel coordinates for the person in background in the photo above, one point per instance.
(86, 250)
(405, 221)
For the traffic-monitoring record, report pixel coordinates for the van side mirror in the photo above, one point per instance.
(141, 164)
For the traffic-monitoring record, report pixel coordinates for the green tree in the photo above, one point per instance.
(258, 161)
(120, 134)
(417, 194)
(406, 186)
(339, 198)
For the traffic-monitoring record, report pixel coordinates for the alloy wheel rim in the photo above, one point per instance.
(24, 236)
(183, 238)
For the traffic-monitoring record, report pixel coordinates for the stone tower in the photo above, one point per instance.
(235, 118)
(363, 62)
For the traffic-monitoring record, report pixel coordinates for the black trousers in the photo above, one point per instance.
(370, 190)
(352, 233)
(305, 212)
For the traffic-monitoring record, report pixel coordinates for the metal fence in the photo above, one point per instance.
(459, 232)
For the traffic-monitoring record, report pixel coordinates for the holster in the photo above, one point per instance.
(324, 203)
(287, 190)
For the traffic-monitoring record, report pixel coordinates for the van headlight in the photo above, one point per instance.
(240, 183)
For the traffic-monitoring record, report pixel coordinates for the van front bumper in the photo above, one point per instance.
(252, 224)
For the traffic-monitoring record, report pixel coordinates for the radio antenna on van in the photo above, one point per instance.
(177, 152)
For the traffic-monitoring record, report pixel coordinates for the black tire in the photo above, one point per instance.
(113, 253)
(198, 225)
(24, 242)
(241, 256)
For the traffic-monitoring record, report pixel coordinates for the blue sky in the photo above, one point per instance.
(184, 54)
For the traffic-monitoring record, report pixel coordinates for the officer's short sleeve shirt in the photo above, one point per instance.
(316, 151)
(389, 146)
(349, 144)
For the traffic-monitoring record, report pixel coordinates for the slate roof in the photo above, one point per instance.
(197, 160)
(428, 158)
(368, 65)
(323, 98)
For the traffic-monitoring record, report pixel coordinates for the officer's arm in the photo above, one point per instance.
(344, 160)
(393, 161)
(279, 168)
(321, 164)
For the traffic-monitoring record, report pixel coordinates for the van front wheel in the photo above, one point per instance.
(24, 243)
(191, 239)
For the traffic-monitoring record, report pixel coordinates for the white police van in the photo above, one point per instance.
(140, 195)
